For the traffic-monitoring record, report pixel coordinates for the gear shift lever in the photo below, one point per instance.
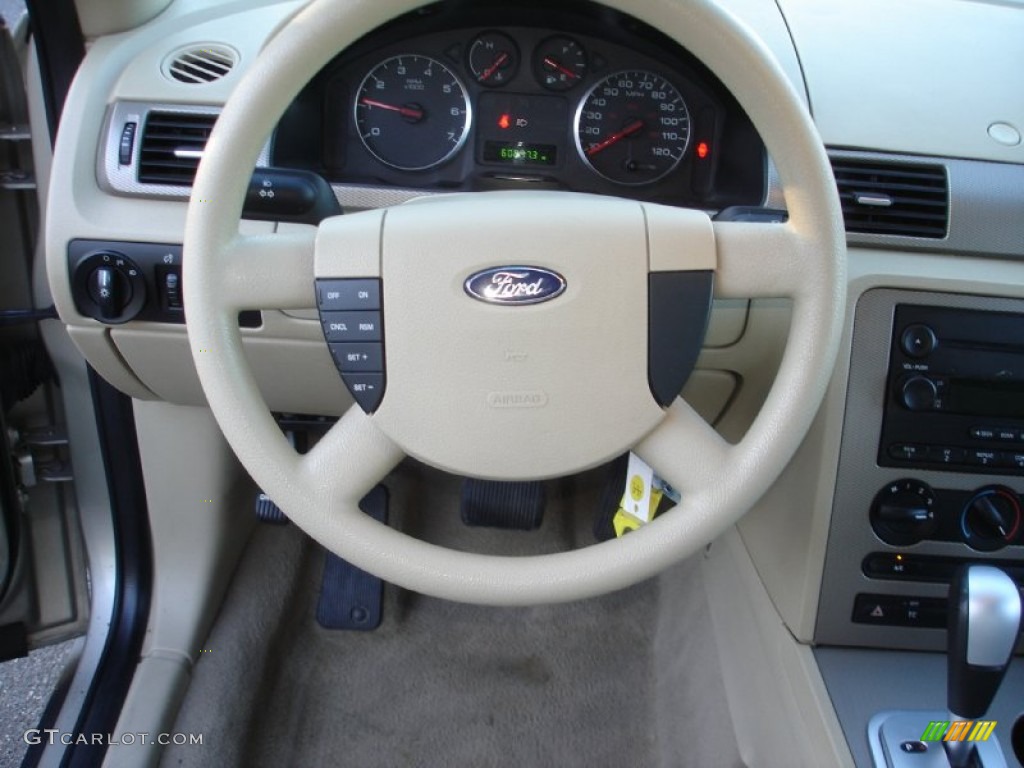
(984, 619)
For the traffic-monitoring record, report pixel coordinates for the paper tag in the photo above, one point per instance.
(636, 500)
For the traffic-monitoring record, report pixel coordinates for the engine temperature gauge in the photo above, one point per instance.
(493, 58)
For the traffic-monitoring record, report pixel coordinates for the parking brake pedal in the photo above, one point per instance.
(351, 598)
(518, 506)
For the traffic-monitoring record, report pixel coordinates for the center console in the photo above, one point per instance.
(931, 465)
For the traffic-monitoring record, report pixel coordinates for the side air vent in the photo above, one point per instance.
(172, 146)
(905, 200)
(199, 64)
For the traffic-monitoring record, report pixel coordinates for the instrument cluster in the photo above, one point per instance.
(499, 106)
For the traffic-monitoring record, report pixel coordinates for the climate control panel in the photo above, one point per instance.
(909, 511)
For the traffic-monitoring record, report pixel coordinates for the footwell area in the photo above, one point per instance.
(626, 679)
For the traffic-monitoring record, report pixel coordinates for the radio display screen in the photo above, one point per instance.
(985, 398)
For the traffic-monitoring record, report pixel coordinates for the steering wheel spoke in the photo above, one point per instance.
(761, 261)
(348, 462)
(697, 454)
(268, 271)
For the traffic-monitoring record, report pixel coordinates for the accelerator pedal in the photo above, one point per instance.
(350, 598)
(516, 506)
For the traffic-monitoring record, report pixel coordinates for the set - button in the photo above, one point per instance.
(352, 320)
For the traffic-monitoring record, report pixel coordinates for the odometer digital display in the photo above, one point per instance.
(520, 153)
(633, 127)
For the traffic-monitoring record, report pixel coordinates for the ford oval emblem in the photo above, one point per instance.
(515, 285)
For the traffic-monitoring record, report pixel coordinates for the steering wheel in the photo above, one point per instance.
(527, 390)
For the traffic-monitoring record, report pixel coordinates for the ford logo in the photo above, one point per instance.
(515, 285)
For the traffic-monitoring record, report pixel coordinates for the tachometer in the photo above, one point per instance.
(633, 127)
(412, 112)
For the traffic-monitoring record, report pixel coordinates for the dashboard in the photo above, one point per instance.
(469, 98)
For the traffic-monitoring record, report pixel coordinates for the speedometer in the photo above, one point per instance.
(412, 112)
(633, 127)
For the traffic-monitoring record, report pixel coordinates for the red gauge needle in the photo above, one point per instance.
(410, 112)
(564, 70)
(500, 59)
(629, 130)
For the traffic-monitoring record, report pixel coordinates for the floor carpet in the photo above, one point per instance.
(628, 679)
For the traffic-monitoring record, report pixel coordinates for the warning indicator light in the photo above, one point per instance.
(504, 121)
(703, 149)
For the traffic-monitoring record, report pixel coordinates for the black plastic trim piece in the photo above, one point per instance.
(60, 48)
(679, 304)
(13, 641)
(134, 578)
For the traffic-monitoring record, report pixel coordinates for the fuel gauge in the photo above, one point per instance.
(493, 58)
(559, 63)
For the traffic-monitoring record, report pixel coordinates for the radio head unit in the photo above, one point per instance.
(955, 391)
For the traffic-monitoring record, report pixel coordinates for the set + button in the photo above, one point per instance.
(352, 320)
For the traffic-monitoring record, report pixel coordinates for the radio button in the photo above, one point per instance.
(983, 458)
(983, 433)
(1007, 435)
(1013, 459)
(907, 452)
(940, 454)
(918, 340)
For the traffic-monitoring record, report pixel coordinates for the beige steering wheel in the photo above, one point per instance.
(581, 368)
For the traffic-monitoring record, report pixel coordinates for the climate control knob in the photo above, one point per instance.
(991, 518)
(918, 393)
(903, 512)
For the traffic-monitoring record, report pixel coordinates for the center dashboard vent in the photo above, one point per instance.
(172, 146)
(896, 199)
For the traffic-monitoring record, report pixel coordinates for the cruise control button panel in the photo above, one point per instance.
(352, 319)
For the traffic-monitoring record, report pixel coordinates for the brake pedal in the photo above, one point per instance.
(351, 598)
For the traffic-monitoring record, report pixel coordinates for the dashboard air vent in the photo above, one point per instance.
(199, 64)
(904, 200)
(172, 146)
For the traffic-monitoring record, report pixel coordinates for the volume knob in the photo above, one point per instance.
(918, 393)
